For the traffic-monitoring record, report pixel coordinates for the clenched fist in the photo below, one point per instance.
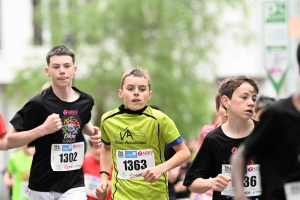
(52, 124)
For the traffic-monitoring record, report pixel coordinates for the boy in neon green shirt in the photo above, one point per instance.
(134, 136)
(19, 168)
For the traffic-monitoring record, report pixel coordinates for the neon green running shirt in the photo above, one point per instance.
(19, 166)
(137, 140)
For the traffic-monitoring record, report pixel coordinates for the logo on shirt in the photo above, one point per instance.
(70, 128)
(129, 136)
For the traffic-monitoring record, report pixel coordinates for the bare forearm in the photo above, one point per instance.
(3, 143)
(181, 156)
(105, 161)
(88, 129)
(18, 139)
(200, 185)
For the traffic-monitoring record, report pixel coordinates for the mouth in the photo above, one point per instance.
(249, 111)
(62, 78)
(136, 100)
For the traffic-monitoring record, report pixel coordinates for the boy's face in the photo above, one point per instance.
(61, 69)
(135, 92)
(242, 103)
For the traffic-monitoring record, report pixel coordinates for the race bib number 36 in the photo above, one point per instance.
(67, 157)
(252, 186)
(132, 162)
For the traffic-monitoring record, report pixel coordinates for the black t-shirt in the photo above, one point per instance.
(277, 143)
(216, 149)
(74, 116)
(186, 193)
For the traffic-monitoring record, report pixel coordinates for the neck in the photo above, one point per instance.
(66, 94)
(238, 129)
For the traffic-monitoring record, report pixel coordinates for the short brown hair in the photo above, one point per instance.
(229, 85)
(60, 50)
(137, 72)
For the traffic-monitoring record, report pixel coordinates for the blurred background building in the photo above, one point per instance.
(23, 44)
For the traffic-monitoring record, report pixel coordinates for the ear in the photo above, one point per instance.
(47, 71)
(225, 101)
(120, 93)
(150, 95)
(75, 70)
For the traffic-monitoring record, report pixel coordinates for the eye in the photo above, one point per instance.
(129, 88)
(143, 89)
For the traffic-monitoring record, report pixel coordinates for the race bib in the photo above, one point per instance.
(24, 189)
(292, 190)
(91, 182)
(252, 185)
(132, 162)
(67, 157)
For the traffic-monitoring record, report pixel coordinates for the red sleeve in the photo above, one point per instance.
(204, 131)
(3, 129)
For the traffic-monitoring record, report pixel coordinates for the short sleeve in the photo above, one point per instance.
(200, 167)
(169, 130)
(26, 118)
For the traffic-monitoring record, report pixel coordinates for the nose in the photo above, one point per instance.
(61, 69)
(136, 91)
(251, 102)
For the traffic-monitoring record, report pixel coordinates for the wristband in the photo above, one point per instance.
(105, 172)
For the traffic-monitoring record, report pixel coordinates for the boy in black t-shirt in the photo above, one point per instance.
(211, 169)
(53, 121)
(277, 144)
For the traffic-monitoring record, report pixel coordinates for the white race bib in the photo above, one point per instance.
(252, 185)
(24, 189)
(130, 163)
(292, 190)
(91, 182)
(67, 157)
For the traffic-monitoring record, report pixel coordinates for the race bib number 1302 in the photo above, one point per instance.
(67, 157)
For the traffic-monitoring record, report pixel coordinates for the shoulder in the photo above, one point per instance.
(157, 114)
(110, 114)
(38, 99)
(84, 94)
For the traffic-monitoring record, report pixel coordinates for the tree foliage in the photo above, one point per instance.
(173, 39)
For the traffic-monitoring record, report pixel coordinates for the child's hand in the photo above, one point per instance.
(102, 190)
(151, 174)
(96, 138)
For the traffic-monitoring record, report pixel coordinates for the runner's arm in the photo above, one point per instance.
(105, 161)
(18, 139)
(219, 183)
(238, 162)
(90, 129)
(181, 156)
(3, 142)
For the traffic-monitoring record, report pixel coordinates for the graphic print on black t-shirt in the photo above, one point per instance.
(71, 125)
